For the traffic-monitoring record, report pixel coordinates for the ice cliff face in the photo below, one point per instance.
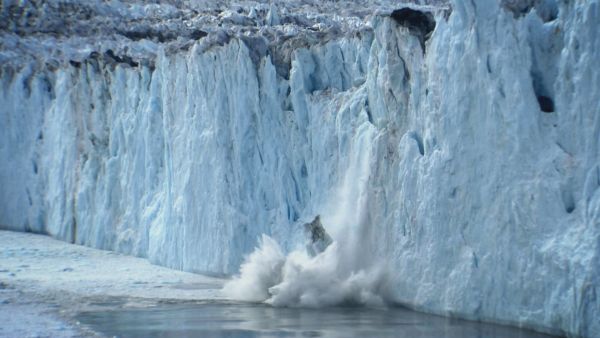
(467, 159)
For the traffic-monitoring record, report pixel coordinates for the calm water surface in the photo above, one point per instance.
(254, 320)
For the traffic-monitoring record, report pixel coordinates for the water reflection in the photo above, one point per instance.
(221, 320)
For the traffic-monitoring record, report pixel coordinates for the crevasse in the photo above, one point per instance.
(483, 202)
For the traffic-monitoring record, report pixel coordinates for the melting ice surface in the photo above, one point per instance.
(343, 273)
(259, 320)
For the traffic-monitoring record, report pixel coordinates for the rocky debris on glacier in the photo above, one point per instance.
(131, 31)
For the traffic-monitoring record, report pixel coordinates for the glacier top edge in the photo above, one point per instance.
(58, 31)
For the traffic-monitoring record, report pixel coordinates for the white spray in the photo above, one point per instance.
(339, 275)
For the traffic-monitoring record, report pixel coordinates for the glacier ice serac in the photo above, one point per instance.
(451, 150)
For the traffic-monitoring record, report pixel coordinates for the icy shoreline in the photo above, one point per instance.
(45, 282)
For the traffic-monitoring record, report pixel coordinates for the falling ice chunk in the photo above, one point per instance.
(318, 238)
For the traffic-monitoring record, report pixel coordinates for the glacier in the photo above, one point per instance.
(466, 161)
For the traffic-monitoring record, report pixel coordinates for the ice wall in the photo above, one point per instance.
(482, 204)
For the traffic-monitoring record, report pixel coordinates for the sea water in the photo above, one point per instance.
(244, 320)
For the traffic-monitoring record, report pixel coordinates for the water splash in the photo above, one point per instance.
(261, 270)
(343, 273)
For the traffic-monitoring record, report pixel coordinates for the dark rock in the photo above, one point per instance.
(419, 23)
